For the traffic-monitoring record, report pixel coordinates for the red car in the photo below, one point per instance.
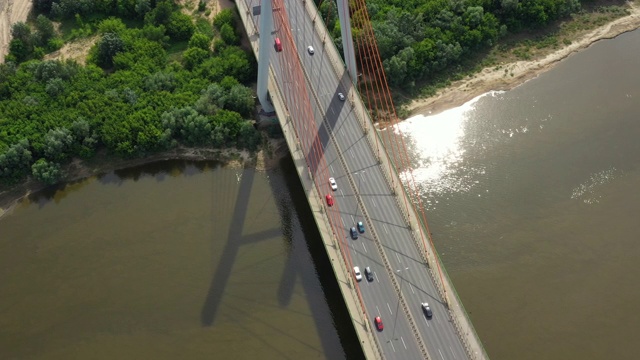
(379, 324)
(329, 200)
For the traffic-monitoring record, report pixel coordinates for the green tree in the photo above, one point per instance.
(44, 30)
(228, 35)
(58, 143)
(54, 87)
(193, 57)
(48, 172)
(15, 161)
(108, 47)
(240, 99)
(180, 26)
(224, 17)
(200, 40)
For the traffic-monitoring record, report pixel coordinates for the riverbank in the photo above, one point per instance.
(267, 158)
(509, 75)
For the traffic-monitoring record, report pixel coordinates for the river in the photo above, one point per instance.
(534, 205)
(172, 260)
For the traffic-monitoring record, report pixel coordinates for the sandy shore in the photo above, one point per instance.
(519, 72)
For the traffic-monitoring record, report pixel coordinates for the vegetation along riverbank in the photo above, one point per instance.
(89, 86)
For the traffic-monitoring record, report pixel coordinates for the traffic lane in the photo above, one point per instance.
(402, 331)
(409, 251)
(330, 107)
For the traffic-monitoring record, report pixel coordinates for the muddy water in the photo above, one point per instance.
(173, 260)
(534, 202)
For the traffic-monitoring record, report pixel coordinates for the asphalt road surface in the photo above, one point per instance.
(396, 340)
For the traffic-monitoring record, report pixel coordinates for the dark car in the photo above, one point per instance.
(354, 233)
(329, 200)
(368, 273)
(360, 227)
(427, 310)
(379, 324)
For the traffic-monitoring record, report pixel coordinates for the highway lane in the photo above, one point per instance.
(379, 297)
(438, 333)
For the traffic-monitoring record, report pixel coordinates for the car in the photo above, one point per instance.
(379, 324)
(329, 200)
(354, 233)
(427, 310)
(310, 50)
(278, 45)
(333, 184)
(341, 96)
(360, 227)
(368, 273)
(356, 272)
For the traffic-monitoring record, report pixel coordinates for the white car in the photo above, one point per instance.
(310, 50)
(333, 184)
(341, 96)
(356, 272)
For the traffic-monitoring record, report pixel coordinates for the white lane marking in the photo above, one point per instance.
(342, 132)
(385, 228)
(393, 347)
(374, 203)
(331, 166)
(405, 345)
(413, 292)
(342, 222)
(353, 219)
(351, 152)
(397, 257)
(426, 322)
(333, 112)
(441, 354)
(452, 353)
(389, 308)
(365, 248)
(376, 275)
(341, 193)
(378, 311)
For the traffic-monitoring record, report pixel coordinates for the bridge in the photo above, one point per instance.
(329, 132)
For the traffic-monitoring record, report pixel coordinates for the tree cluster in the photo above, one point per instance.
(418, 39)
(128, 99)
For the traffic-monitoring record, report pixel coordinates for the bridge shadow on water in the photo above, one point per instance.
(306, 262)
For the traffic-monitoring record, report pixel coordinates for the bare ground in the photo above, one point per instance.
(11, 11)
(510, 75)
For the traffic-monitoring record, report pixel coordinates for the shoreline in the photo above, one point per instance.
(507, 76)
(266, 158)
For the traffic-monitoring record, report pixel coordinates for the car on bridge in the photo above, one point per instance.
(360, 227)
(329, 200)
(427, 310)
(333, 184)
(356, 272)
(379, 324)
(368, 273)
(310, 50)
(354, 233)
(341, 96)
(278, 45)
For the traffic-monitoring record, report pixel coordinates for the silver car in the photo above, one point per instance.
(341, 96)
(333, 184)
(310, 50)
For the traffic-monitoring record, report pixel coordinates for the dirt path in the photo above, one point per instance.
(11, 11)
(511, 75)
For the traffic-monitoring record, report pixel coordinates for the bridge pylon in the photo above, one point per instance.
(347, 39)
(264, 51)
